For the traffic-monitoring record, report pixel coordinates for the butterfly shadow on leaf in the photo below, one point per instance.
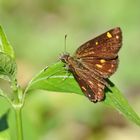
(110, 85)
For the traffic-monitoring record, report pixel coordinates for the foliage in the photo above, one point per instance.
(52, 78)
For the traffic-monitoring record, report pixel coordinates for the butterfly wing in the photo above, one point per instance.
(101, 67)
(95, 61)
(104, 46)
(92, 88)
(100, 55)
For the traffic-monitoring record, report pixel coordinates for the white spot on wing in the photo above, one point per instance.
(112, 65)
(83, 88)
(89, 95)
(90, 82)
(117, 37)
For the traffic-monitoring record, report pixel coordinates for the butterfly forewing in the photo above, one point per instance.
(106, 45)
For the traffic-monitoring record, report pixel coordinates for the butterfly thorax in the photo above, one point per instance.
(70, 62)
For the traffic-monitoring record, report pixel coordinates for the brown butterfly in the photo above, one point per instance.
(94, 62)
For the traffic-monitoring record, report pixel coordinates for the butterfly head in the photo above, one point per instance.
(64, 57)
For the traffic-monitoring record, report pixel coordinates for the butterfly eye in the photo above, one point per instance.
(64, 58)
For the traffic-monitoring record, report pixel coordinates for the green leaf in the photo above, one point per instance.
(52, 79)
(1, 92)
(4, 135)
(116, 99)
(7, 67)
(5, 46)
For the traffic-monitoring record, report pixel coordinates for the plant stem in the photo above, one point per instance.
(19, 123)
(17, 105)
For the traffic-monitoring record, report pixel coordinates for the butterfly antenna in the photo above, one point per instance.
(65, 43)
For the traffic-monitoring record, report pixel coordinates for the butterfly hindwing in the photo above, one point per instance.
(93, 88)
(102, 67)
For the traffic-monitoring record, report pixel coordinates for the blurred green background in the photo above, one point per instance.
(36, 30)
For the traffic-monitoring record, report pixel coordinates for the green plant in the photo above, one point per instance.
(51, 79)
